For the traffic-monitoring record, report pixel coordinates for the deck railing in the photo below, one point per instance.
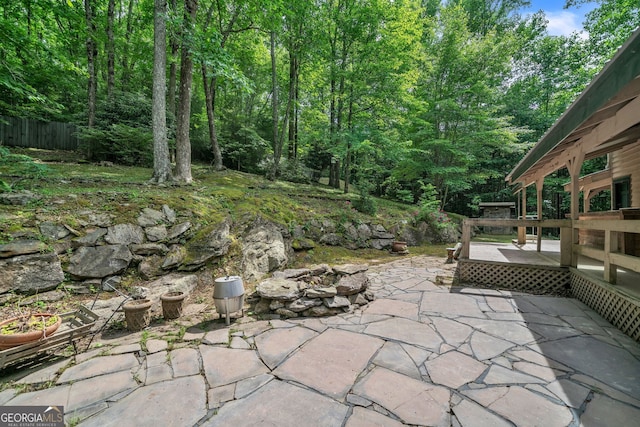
(569, 243)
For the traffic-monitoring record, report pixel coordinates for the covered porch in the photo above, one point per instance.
(597, 258)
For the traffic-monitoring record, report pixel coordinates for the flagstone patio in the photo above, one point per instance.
(420, 354)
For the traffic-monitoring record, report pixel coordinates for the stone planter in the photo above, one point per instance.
(137, 314)
(15, 339)
(172, 304)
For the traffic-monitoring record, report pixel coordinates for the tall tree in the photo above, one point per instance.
(161, 164)
(183, 143)
(92, 54)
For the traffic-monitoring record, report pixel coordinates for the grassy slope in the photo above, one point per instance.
(69, 187)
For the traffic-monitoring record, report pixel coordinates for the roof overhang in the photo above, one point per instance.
(604, 118)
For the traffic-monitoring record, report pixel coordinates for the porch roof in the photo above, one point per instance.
(602, 119)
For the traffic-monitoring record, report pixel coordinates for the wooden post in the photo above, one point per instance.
(610, 246)
(574, 164)
(539, 185)
(566, 246)
(522, 231)
(466, 240)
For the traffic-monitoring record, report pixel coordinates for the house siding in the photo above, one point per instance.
(626, 162)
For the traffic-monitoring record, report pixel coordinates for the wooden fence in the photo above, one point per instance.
(19, 132)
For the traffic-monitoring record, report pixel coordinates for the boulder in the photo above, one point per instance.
(364, 232)
(175, 257)
(279, 289)
(147, 249)
(302, 304)
(381, 244)
(349, 285)
(331, 239)
(178, 230)
(28, 274)
(151, 267)
(323, 292)
(337, 302)
(302, 244)
(263, 251)
(23, 197)
(379, 232)
(169, 214)
(156, 233)
(89, 239)
(214, 243)
(21, 247)
(348, 269)
(99, 261)
(53, 231)
(150, 217)
(124, 234)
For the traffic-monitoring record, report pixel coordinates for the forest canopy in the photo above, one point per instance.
(405, 99)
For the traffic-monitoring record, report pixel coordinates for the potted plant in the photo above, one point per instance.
(137, 314)
(172, 304)
(26, 328)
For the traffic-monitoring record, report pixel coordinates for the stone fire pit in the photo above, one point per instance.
(314, 292)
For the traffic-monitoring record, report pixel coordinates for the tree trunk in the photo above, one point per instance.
(293, 106)
(161, 164)
(125, 52)
(175, 47)
(110, 49)
(92, 53)
(277, 147)
(183, 143)
(209, 87)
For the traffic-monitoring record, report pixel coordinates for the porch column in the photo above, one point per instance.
(539, 185)
(522, 231)
(574, 164)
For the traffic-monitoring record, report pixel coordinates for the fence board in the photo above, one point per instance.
(30, 133)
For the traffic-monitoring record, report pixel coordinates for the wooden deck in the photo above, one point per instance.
(549, 255)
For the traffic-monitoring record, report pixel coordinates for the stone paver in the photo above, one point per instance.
(281, 404)
(419, 354)
(454, 369)
(413, 401)
(181, 402)
(275, 345)
(331, 362)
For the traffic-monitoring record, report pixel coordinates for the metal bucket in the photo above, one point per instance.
(228, 295)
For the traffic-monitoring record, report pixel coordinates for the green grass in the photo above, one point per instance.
(68, 189)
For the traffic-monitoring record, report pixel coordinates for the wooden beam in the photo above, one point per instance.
(539, 186)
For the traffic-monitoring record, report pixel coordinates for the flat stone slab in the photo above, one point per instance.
(470, 414)
(406, 331)
(227, 365)
(448, 304)
(504, 329)
(275, 345)
(587, 355)
(603, 411)
(454, 369)
(331, 362)
(99, 366)
(454, 333)
(393, 308)
(94, 390)
(394, 357)
(413, 401)
(281, 404)
(185, 362)
(181, 402)
(525, 408)
(366, 418)
(485, 346)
